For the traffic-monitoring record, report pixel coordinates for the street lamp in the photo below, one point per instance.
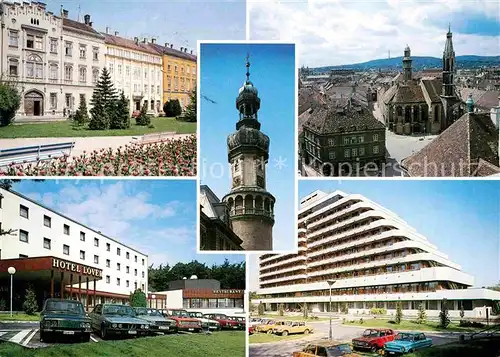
(330, 283)
(11, 271)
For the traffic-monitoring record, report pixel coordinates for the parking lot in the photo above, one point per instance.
(340, 333)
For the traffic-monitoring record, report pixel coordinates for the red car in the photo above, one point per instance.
(250, 330)
(183, 320)
(373, 339)
(226, 323)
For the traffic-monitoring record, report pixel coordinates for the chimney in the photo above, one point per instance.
(166, 44)
(191, 51)
(171, 46)
(182, 49)
(136, 40)
(86, 19)
(90, 23)
(153, 40)
(42, 5)
(144, 40)
(116, 33)
(64, 14)
(185, 49)
(107, 30)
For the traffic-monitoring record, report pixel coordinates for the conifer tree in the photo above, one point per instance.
(143, 118)
(399, 312)
(422, 315)
(121, 117)
(103, 102)
(30, 305)
(176, 107)
(81, 116)
(190, 111)
(444, 319)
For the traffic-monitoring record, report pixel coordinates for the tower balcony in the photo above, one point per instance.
(242, 211)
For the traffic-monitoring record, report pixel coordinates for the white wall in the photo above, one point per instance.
(11, 247)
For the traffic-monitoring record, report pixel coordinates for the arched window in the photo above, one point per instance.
(34, 66)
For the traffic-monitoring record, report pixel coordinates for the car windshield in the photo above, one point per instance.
(271, 322)
(154, 313)
(404, 337)
(339, 350)
(68, 307)
(198, 315)
(121, 310)
(371, 333)
(179, 313)
(141, 311)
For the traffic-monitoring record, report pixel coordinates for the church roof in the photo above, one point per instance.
(433, 89)
(458, 151)
(328, 119)
(404, 93)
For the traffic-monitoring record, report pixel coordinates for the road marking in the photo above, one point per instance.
(3, 333)
(28, 339)
(19, 336)
(93, 338)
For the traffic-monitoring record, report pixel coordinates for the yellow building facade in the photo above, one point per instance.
(179, 73)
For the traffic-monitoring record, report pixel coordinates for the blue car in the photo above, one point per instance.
(406, 342)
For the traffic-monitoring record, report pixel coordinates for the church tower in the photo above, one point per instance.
(251, 206)
(407, 64)
(448, 67)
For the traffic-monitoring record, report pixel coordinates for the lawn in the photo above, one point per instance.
(65, 129)
(195, 345)
(479, 348)
(264, 338)
(19, 317)
(410, 325)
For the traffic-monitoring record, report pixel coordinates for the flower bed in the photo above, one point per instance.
(175, 157)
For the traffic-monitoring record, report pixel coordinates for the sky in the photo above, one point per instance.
(156, 217)
(337, 32)
(272, 71)
(180, 22)
(462, 218)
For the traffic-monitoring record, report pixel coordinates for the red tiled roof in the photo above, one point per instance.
(80, 26)
(131, 44)
(173, 52)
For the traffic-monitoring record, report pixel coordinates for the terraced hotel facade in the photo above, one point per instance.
(372, 258)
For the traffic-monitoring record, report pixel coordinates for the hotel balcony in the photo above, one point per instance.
(283, 271)
(295, 258)
(284, 278)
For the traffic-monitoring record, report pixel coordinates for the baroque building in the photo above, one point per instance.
(371, 258)
(53, 59)
(251, 206)
(427, 105)
(135, 68)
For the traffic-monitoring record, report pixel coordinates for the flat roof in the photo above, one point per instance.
(70, 219)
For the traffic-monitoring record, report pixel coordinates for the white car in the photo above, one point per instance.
(206, 324)
(254, 321)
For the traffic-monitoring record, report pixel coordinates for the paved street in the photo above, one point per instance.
(340, 333)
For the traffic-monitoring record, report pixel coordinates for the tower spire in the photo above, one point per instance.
(248, 67)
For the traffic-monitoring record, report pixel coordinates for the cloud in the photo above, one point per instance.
(343, 32)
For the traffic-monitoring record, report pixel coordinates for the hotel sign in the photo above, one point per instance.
(217, 292)
(76, 268)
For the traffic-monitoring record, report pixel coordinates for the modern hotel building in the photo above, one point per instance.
(371, 258)
(59, 256)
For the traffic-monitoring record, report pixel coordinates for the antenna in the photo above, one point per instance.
(79, 10)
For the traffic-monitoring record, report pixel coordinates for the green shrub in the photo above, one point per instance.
(281, 310)
(138, 299)
(466, 323)
(399, 313)
(422, 315)
(361, 321)
(444, 319)
(81, 116)
(143, 118)
(261, 309)
(10, 101)
(3, 305)
(378, 311)
(30, 305)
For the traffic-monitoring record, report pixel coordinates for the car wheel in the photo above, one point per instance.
(104, 332)
(42, 336)
(306, 332)
(284, 333)
(374, 348)
(269, 332)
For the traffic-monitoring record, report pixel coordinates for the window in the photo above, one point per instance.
(30, 41)
(143, 274)
(83, 74)
(127, 283)
(68, 72)
(152, 90)
(34, 67)
(118, 251)
(127, 255)
(127, 269)
(22, 256)
(23, 236)
(145, 74)
(361, 139)
(361, 151)
(53, 100)
(142, 287)
(354, 152)
(53, 71)
(347, 153)
(46, 243)
(13, 67)
(108, 279)
(375, 137)
(111, 68)
(68, 49)
(108, 247)
(143, 261)
(127, 71)
(331, 155)
(118, 281)
(95, 75)
(23, 211)
(47, 221)
(82, 236)
(83, 51)
(38, 43)
(53, 45)
(145, 89)
(82, 255)
(66, 249)
(108, 263)
(135, 258)
(118, 266)
(66, 229)
(13, 38)
(331, 142)
(346, 141)
(135, 285)
(95, 53)
(96, 259)
(375, 149)
(135, 272)
(96, 242)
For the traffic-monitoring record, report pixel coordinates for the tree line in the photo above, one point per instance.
(230, 275)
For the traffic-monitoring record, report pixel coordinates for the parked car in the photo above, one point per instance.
(373, 339)
(206, 324)
(243, 321)
(254, 321)
(251, 330)
(225, 322)
(239, 320)
(64, 318)
(117, 320)
(268, 326)
(183, 320)
(294, 327)
(158, 322)
(407, 342)
(326, 348)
